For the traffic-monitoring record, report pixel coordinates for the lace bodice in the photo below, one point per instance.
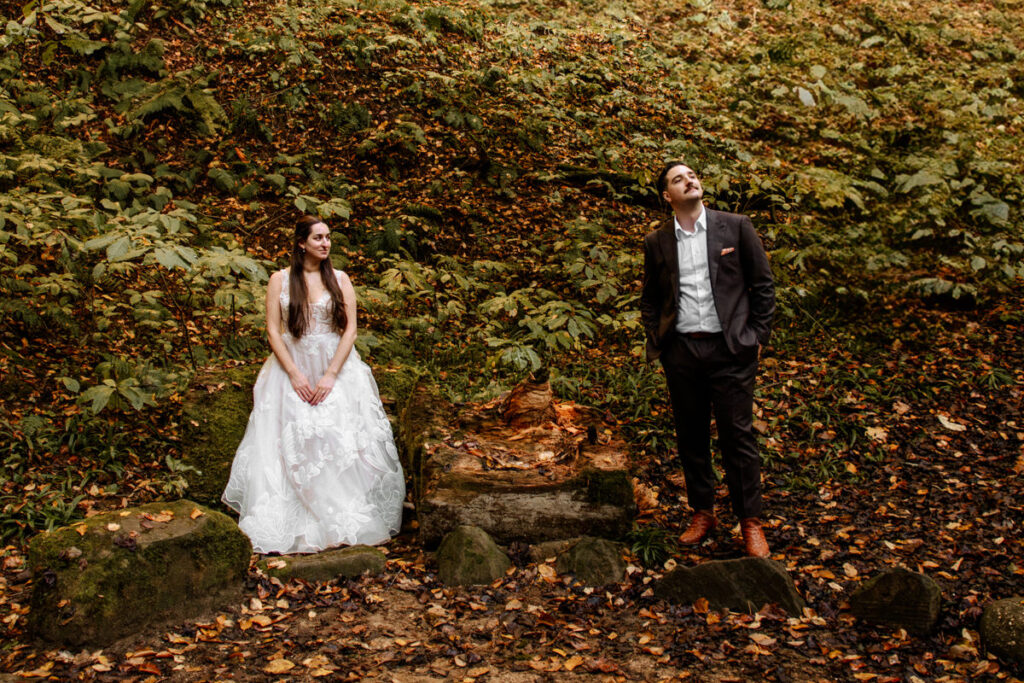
(320, 320)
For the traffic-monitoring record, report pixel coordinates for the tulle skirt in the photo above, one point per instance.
(305, 477)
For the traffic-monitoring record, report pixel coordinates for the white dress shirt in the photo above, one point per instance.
(696, 304)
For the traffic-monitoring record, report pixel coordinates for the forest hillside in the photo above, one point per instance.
(486, 167)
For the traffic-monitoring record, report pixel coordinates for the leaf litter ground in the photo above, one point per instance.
(933, 484)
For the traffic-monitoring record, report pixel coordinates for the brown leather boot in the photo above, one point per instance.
(753, 537)
(701, 524)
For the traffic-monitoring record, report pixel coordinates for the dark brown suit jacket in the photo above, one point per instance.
(741, 283)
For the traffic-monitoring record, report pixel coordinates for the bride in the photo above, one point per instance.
(317, 466)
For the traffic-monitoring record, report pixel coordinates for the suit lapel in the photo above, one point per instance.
(669, 250)
(714, 242)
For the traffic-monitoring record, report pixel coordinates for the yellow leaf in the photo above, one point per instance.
(279, 666)
(317, 662)
(572, 662)
(950, 424)
(41, 672)
(196, 512)
(113, 526)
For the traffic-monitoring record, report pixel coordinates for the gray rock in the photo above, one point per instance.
(593, 561)
(901, 598)
(1002, 628)
(326, 566)
(542, 552)
(112, 574)
(468, 556)
(741, 585)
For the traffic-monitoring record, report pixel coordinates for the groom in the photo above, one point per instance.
(707, 306)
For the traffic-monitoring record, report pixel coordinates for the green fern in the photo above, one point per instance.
(182, 93)
(348, 118)
(651, 544)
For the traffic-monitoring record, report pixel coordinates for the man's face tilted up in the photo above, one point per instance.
(682, 186)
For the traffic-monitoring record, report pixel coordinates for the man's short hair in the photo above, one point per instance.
(663, 176)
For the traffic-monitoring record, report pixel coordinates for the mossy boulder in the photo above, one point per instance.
(109, 576)
(744, 584)
(326, 566)
(214, 416)
(1002, 629)
(468, 556)
(900, 598)
(593, 562)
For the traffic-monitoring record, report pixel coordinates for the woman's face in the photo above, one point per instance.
(318, 243)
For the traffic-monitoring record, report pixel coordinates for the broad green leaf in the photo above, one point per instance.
(919, 179)
(119, 249)
(99, 396)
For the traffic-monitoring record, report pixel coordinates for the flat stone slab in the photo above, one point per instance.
(900, 598)
(326, 566)
(1002, 629)
(741, 585)
(475, 465)
(106, 577)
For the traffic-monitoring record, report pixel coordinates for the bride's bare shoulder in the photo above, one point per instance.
(278, 278)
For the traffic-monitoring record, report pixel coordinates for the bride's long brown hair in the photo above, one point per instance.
(298, 309)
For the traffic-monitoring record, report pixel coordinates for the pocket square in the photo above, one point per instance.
(728, 250)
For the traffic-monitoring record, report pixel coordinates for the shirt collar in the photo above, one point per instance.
(701, 225)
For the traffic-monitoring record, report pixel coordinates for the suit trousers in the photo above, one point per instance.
(703, 375)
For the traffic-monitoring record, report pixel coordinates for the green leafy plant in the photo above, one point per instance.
(652, 544)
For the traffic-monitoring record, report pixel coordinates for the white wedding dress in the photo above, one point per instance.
(305, 477)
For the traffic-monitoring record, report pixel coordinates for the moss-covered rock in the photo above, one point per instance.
(106, 577)
(1002, 629)
(468, 556)
(327, 565)
(214, 415)
(421, 420)
(901, 598)
(593, 561)
(607, 487)
(743, 584)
